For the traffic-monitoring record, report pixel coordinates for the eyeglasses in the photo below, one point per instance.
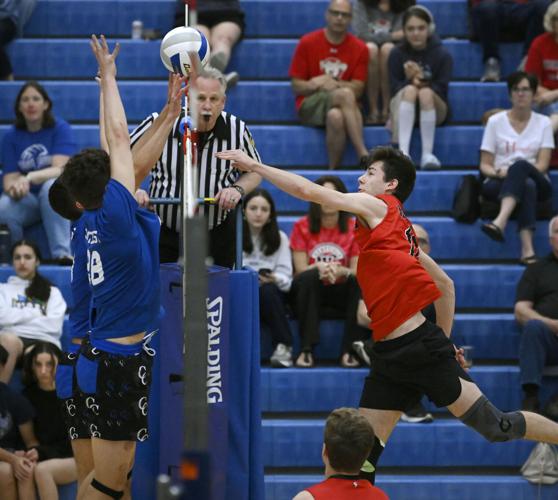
(522, 90)
(338, 13)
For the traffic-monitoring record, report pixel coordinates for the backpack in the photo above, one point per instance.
(466, 204)
(541, 466)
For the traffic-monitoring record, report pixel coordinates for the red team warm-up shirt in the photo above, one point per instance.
(393, 282)
(542, 60)
(315, 55)
(345, 489)
(329, 245)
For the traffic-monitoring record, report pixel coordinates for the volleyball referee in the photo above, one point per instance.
(157, 147)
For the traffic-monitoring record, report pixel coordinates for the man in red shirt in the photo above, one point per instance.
(347, 442)
(411, 356)
(542, 61)
(328, 72)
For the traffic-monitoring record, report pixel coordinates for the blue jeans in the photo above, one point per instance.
(527, 185)
(538, 347)
(33, 208)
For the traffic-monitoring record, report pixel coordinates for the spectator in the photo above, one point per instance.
(542, 61)
(516, 20)
(325, 256)
(31, 308)
(515, 153)
(16, 425)
(419, 71)
(34, 153)
(328, 72)
(56, 465)
(416, 413)
(157, 147)
(13, 16)
(536, 310)
(348, 439)
(266, 250)
(379, 23)
(222, 23)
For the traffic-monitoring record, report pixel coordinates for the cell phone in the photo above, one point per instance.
(264, 272)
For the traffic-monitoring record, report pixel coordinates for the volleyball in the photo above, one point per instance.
(178, 43)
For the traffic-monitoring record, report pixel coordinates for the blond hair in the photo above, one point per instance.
(550, 14)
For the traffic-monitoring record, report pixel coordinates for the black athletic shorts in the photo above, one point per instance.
(417, 363)
(76, 414)
(212, 18)
(116, 392)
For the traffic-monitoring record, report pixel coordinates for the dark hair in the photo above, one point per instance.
(514, 79)
(39, 288)
(348, 438)
(271, 240)
(3, 355)
(395, 6)
(86, 176)
(396, 165)
(315, 210)
(62, 202)
(28, 375)
(48, 118)
(418, 11)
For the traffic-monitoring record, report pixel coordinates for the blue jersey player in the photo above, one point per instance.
(114, 366)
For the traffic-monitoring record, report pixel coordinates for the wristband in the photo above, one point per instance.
(240, 189)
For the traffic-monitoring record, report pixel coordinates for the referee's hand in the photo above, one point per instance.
(228, 198)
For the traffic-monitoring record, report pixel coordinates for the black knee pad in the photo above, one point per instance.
(105, 490)
(494, 425)
(368, 469)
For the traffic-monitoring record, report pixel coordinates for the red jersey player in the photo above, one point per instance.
(411, 356)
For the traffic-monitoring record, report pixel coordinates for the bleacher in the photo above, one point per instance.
(441, 460)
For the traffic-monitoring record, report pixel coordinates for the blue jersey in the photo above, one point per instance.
(81, 292)
(123, 265)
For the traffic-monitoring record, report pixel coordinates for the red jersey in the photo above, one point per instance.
(329, 245)
(315, 55)
(346, 488)
(393, 282)
(542, 60)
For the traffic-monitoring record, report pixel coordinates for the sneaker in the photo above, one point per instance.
(282, 357)
(361, 350)
(232, 79)
(349, 360)
(218, 61)
(417, 414)
(491, 70)
(430, 162)
(551, 408)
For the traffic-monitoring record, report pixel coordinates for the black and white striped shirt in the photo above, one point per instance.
(214, 174)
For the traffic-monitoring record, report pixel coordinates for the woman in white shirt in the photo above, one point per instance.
(31, 308)
(515, 154)
(266, 250)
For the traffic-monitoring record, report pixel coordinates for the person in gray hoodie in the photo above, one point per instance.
(419, 70)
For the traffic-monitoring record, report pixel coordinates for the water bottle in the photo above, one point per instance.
(137, 29)
(5, 239)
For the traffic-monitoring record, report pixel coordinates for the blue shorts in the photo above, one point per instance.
(115, 380)
(549, 109)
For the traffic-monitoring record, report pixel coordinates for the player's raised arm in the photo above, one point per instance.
(116, 126)
(364, 205)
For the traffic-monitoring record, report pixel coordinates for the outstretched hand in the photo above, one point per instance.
(239, 159)
(105, 59)
(175, 92)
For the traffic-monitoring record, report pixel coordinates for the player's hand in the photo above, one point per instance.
(239, 159)
(460, 357)
(142, 198)
(228, 198)
(105, 59)
(175, 92)
(23, 468)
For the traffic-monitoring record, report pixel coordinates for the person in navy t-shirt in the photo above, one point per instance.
(114, 365)
(34, 152)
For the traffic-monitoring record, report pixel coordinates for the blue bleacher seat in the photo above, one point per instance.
(78, 101)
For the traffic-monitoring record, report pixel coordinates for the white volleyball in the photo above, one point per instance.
(178, 43)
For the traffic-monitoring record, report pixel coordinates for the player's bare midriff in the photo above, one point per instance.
(131, 339)
(408, 326)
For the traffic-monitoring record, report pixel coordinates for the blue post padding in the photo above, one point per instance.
(245, 468)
